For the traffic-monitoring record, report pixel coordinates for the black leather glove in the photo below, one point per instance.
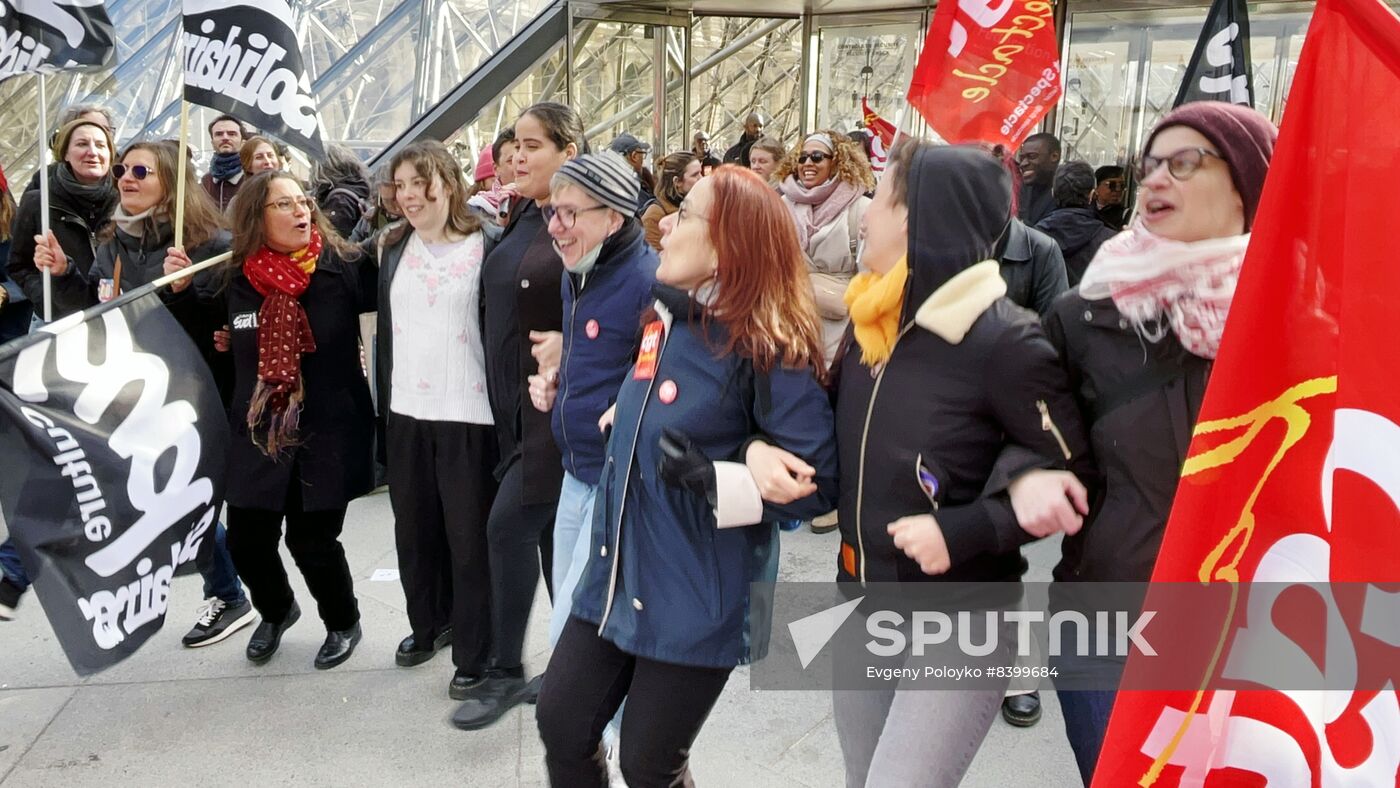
(683, 465)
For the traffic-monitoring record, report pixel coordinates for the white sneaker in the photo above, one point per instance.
(610, 743)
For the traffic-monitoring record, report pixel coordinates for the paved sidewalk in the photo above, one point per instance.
(174, 716)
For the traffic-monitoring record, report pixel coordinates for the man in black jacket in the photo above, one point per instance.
(753, 129)
(1074, 225)
(1038, 158)
(1110, 195)
(1032, 266)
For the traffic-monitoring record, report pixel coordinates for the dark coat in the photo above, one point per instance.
(143, 261)
(1140, 400)
(739, 153)
(18, 309)
(663, 582)
(333, 462)
(1036, 201)
(520, 292)
(345, 204)
(602, 320)
(969, 372)
(1032, 266)
(75, 223)
(222, 192)
(1079, 232)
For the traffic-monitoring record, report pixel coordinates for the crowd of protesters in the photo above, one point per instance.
(629, 384)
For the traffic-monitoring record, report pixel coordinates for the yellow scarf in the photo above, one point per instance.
(875, 302)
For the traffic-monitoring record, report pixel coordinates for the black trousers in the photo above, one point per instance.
(667, 704)
(441, 488)
(313, 539)
(521, 544)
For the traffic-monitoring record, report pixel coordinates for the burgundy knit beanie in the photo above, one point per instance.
(1244, 137)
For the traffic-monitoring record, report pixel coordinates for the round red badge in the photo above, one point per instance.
(667, 392)
(591, 329)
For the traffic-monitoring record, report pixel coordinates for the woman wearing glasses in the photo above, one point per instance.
(440, 434)
(824, 183)
(679, 174)
(729, 363)
(1138, 338)
(302, 419)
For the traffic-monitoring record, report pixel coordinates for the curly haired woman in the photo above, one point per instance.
(824, 182)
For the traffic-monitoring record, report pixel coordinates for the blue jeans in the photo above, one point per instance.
(1086, 720)
(11, 566)
(220, 578)
(573, 542)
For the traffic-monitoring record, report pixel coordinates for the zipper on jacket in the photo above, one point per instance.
(1048, 425)
(627, 475)
(564, 395)
(864, 436)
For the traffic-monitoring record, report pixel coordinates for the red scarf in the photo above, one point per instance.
(283, 335)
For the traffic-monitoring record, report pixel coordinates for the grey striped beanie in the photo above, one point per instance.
(607, 177)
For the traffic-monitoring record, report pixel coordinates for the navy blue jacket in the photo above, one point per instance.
(662, 581)
(602, 318)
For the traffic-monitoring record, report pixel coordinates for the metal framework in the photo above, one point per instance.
(389, 71)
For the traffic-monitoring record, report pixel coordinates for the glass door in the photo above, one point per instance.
(869, 56)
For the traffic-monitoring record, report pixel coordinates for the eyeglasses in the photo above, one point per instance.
(1181, 164)
(567, 216)
(816, 156)
(290, 204)
(138, 171)
(685, 212)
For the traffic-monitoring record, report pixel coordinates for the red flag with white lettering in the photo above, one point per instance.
(1294, 472)
(989, 70)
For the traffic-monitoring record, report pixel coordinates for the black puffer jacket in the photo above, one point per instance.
(1079, 232)
(969, 372)
(75, 222)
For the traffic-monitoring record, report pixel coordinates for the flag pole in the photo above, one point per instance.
(191, 270)
(182, 166)
(44, 191)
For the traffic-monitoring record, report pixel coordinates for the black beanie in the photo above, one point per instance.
(1244, 137)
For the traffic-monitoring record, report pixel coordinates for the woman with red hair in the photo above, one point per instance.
(728, 369)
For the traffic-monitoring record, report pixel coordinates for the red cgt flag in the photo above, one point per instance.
(1294, 473)
(882, 134)
(989, 70)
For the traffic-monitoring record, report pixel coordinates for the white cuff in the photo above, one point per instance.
(737, 497)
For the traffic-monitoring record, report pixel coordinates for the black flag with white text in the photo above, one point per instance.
(243, 59)
(1220, 67)
(113, 441)
(54, 35)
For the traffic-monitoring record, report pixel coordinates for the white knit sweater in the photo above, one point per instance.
(439, 366)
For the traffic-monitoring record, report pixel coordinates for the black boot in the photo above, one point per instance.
(497, 694)
(338, 647)
(411, 653)
(1023, 711)
(268, 636)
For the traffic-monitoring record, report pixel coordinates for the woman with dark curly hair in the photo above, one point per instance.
(824, 182)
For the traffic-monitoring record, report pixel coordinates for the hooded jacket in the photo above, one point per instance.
(663, 580)
(970, 370)
(1079, 232)
(602, 326)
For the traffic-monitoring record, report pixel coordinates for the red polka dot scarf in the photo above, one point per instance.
(283, 335)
